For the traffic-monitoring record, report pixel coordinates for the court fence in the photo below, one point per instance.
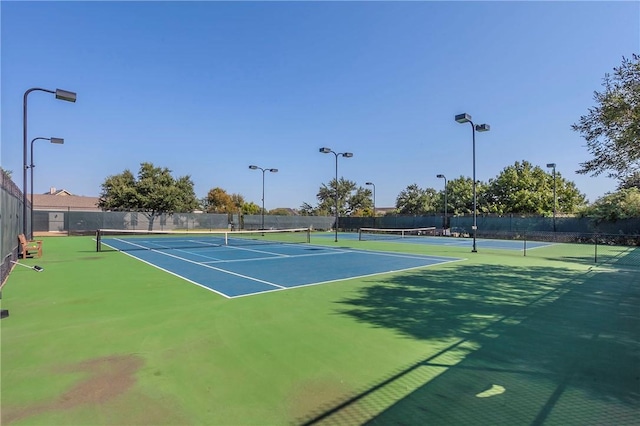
(10, 223)
(507, 223)
(87, 222)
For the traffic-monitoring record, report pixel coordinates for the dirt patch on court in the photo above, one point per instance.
(106, 378)
(314, 397)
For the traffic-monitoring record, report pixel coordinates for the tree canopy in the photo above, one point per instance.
(612, 127)
(622, 204)
(524, 188)
(153, 192)
(352, 200)
(414, 200)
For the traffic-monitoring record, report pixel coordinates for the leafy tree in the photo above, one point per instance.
(218, 201)
(153, 193)
(238, 201)
(632, 181)
(460, 196)
(251, 208)
(307, 209)
(612, 127)
(523, 188)
(360, 203)
(351, 199)
(416, 201)
(280, 212)
(622, 204)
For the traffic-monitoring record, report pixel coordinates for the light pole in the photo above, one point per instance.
(252, 167)
(63, 95)
(466, 118)
(31, 166)
(553, 165)
(337, 154)
(374, 202)
(444, 227)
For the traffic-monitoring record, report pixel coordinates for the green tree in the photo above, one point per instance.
(351, 199)
(251, 208)
(622, 204)
(632, 181)
(526, 189)
(280, 212)
(414, 200)
(360, 203)
(612, 127)
(460, 196)
(307, 209)
(153, 193)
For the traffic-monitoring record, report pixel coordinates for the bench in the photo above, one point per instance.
(30, 248)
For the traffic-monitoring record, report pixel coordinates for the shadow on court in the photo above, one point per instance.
(529, 345)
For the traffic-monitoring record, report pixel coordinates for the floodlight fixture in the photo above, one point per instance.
(65, 95)
(59, 141)
(326, 150)
(441, 176)
(61, 94)
(466, 118)
(374, 201)
(555, 203)
(253, 167)
(463, 118)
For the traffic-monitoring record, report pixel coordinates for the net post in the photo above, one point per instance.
(359, 234)
(226, 238)
(98, 240)
(308, 235)
(595, 260)
(525, 243)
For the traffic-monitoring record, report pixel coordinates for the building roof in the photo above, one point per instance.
(63, 199)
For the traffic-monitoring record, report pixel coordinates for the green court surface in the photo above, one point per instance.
(498, 338)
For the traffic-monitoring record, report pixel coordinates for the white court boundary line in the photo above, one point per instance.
(440, 261)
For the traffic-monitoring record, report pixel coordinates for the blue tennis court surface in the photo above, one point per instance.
(234, 271)
(445, 241)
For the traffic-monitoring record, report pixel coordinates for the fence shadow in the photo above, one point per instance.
(559, 344)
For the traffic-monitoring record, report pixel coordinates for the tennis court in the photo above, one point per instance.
(500, 338)
(412, 238)
(246, 263)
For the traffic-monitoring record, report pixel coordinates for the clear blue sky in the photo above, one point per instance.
(208, 88)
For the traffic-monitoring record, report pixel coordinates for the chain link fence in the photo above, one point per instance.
(84, 222)
(10, 223)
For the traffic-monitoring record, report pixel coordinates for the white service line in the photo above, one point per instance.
(219, 269)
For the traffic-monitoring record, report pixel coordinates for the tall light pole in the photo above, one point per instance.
(466, 118)
(444, 227)
(31, 166)
(553, 165)
(374, 202)
(337, 154)
(63, 95)
(252, 167)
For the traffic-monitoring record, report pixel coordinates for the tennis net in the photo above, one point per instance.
(126, 240)
(372, 234)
